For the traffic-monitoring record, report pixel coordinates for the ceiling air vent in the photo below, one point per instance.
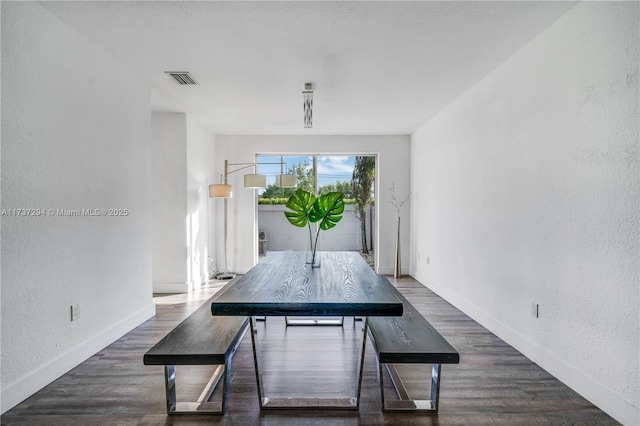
(182, 77)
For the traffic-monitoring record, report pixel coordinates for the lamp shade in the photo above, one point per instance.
(252, 181)
(286, 181)
(220, 190)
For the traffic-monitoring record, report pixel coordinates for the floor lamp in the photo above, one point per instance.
(251, 181)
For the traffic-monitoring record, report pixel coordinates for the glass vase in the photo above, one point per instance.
(313, 259)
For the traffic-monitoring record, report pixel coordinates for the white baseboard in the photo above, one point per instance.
(177, 287)
(16, 392)
(389, 270)
(594, 392)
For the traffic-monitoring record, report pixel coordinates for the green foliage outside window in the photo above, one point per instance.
(274, 195)
(276, 201)
(339, 186)
(364, 173)
(304, 175)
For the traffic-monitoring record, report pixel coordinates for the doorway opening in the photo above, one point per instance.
(353, 175)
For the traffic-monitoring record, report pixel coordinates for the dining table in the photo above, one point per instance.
(283, 284)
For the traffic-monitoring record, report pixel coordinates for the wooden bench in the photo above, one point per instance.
(201, 339)
(409, 339)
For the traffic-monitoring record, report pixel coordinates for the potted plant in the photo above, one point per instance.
(305, 209)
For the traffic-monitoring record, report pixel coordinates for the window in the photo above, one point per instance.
(317, 173)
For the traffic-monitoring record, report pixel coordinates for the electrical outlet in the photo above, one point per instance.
(534, 310)
(75, 312)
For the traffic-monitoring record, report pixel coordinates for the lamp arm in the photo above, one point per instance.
(244, 166)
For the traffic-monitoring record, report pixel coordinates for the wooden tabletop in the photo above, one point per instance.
(282, 284)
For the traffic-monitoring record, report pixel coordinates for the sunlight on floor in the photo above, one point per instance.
(204, 292)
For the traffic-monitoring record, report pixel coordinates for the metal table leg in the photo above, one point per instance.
(345, 403)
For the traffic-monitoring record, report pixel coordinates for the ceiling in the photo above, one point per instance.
(378, 68)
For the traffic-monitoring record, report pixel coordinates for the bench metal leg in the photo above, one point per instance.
(202, 405)
(405, 403)
(170, 387)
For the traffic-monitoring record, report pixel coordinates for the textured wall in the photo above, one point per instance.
(393, 160)
(526, 189)
(75, 135)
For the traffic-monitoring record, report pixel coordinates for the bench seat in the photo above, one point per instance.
(201, 339)
(409, 339)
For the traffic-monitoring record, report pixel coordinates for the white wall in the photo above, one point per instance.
(182, 170)
(169, 169)
(393, 160)
(346, 236)
(200, 166)
(526, 190)
(75, 135)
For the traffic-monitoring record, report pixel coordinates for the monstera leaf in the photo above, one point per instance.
(301, 204)
(306, 209)
(327, 210)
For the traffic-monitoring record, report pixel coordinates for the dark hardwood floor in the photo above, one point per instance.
(493, 384)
